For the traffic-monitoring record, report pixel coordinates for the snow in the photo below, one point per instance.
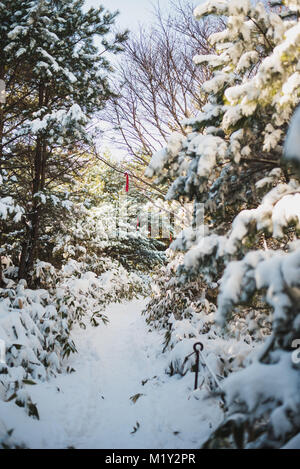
(91, 407)
(286, 211)
(247, 59)
(290, 87)
(159, 159)
(208, 112)
(263, 383)
(294, 443)
(8, 207)
(18, 30)
(61, 117)
(216, 83)
(272, 137)
(209, 148)
(212, 7)
(292, 142)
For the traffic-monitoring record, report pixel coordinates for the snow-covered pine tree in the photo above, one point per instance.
(232, 162)
(50, 61)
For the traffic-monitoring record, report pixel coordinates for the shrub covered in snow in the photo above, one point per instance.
(185, 313)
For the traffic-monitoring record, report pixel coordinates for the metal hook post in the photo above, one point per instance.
(198, 347)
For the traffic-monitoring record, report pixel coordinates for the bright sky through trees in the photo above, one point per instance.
(132, 12)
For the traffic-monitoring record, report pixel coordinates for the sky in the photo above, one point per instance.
(132, 12)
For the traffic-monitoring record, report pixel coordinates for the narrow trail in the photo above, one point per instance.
(91, 407)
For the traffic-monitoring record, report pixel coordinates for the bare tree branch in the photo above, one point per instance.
(157, 83)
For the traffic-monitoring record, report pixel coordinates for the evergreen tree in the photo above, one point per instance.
(56, 79)
(231, 161)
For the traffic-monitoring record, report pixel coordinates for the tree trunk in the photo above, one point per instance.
(1, 159)
(30, 245)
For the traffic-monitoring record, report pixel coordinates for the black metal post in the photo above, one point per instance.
(198, 347)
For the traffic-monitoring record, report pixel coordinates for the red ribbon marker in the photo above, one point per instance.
(127, 182)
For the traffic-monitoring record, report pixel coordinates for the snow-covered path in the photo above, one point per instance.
(91, 407)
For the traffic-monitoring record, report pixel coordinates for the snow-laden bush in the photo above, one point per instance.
(36, 325)
(185, 314)
(231, 161)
